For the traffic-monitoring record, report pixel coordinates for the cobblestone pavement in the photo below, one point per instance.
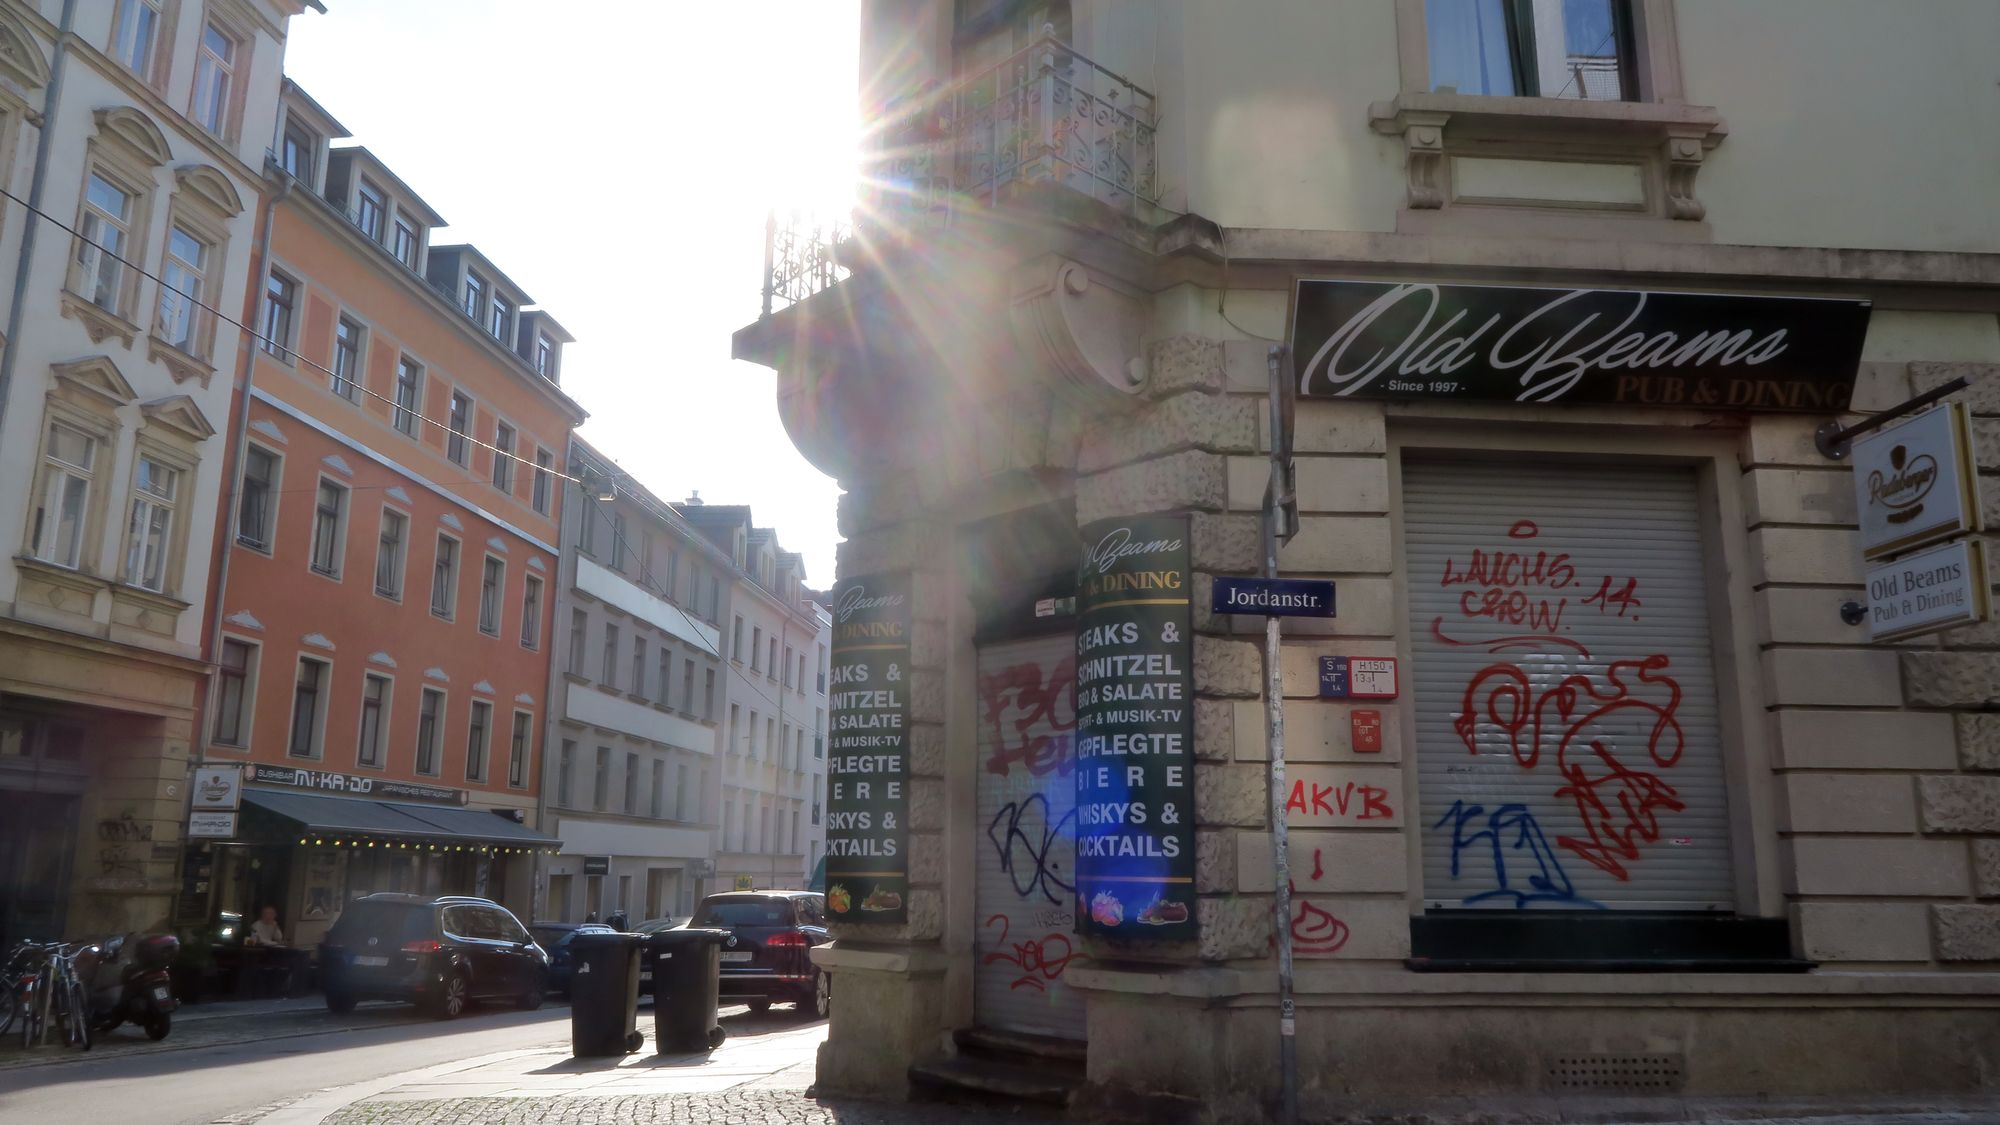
(740, 1106)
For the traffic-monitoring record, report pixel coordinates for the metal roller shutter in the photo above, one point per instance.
(1567, 743)
(1026, 870)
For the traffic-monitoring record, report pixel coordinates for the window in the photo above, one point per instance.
(409, 380)
(586, 528)
(687, 686)
(517, 752)
(430, 722)
(475, 295)
(673, 574)
(661, 694)
(756, 649)
(306, 711)
(734, 713)
(579, 640)
(296, 152)
(389, 554)
(370, 205)
(631, 784)
(543, 459)
(771, 747)
(531, 612)
(500, 317)
(601, 788)
(104, 234)
(822, 670)
(329, 526)
(659, 788)
(490, 583)
(565, 765)
(232, 692)
(545, 356)
(610, 676)
(214, 73)
(455, 445)
(620, 546)
(714, 598)
(257, 498)
(347, 359)
(149, 536)
(406, 242)
(708, 695)
(503, 457)
(280, 295)
(753, 735)
(374, 704)
(788, 666)
(1532, 48)
(444, 578)
(771, 665)
(680, 791)
(137, 32)
(65, 499)
(181, 289)
(638, 665)
(476, 734)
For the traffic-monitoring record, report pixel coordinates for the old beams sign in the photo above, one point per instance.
(868, 751)
(1494, 343)
(1135, 731)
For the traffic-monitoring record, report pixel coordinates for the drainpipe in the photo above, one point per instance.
(44, 141)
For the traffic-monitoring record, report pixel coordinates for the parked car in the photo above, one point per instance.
(439, 953)
(655, 925)
(765, 958)
(555, 938)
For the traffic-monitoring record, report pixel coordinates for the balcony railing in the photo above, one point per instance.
(1044, 115)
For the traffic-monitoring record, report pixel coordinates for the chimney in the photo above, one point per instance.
(694, 499)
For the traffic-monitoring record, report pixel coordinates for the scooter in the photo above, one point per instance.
(129, 982)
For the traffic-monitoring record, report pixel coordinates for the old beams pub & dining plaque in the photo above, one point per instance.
(1135, 731)
(1415, 341)
(868, 751)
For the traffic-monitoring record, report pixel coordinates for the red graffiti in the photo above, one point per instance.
(1020, 698)
(1316, 931)
(1617, 802)
(1626, 598)
(1041, 961)
(1319, 869)
(1339, 800)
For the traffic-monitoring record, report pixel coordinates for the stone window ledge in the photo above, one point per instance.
(80, 581)
(151, 599)
(182, 365)
(100, 324)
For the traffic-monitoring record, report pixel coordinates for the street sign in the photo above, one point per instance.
(744, 882)
(217, 788)
(1915, 482)
(597, 865)
(1942, 588)
(1366, 728)
(1273, 597)
(1357, 677)
(211, 825)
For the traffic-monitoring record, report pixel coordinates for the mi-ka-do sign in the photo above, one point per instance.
(1495, 343)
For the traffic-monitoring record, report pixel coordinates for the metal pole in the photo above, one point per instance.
(1833, 440)
(1274, 730)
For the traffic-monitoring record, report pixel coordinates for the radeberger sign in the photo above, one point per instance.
(1135, 731)
(1496, 343)
(868, 751)
(1915, 482)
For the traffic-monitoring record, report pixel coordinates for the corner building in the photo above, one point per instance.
(1643, 813)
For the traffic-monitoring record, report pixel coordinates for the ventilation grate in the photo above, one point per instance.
(1624, 1073)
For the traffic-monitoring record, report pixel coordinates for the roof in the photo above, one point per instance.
(315, 812)
(543, 322)
(486, 268)
(405, 194)
(296, 94)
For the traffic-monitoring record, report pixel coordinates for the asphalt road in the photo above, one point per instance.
(270, 1061)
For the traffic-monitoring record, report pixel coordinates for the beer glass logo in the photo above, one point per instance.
(1902, 490)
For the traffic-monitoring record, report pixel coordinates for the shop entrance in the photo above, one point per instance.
(37, 837)
(1026, 868)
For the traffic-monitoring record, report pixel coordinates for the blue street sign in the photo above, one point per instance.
(1273, 597)
(1333, 677)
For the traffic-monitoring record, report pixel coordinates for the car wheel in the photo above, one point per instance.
(821, 1005)
(760, 1005)
(530, 1000)
(448, 1003)
(339, 1003)
(158, 1027)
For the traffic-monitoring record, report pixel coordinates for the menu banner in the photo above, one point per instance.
(868, 751)
(1135, 731)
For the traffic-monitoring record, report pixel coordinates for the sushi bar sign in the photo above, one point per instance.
(1418, 341)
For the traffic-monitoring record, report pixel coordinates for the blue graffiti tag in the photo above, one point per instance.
(1548, 882)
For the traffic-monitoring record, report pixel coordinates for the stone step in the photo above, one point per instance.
(1019, 1046)
(991, 1078)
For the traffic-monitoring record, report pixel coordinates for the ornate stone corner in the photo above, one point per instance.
(179, 364)
(1079, 325)
(1681, 156)
(1423, 159)
(100, 324)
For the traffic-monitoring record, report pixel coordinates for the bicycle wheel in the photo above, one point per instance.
(34, 1010)
(10, 1005)
(76, 1010)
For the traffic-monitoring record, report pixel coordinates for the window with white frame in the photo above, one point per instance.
(531, 612)
(456, 446)
(491, 582)
(545, 356)
(370, 206)
(149, 537)
(135, 35)
(390, 546)
(503, 457)
(681, 791)
(444, 578)
(601, 785)
(62, 509)
(517, 754)
(407, 242)
(409, 395)
(475, 294)
(235, 669)
(708, 695)
(1573, 49)
(478, 734)
(329, 528)
(631, 784)
(281, 296)
(500, 317)
(183, 289)
(297, 151)
(104, 235)
(659, 806)
(565, 767)
(430, 728)
(687, 685)
(215, 79)
(610, 677)
(308, 707)
(348, 339)
(664, 680)
(374, 717)
(579, 640)
(544, 460)
(756, 648)
(638, 664)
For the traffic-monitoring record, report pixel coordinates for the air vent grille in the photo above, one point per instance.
(1623, 1073)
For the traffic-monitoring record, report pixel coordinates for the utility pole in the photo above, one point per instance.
(1280, 524)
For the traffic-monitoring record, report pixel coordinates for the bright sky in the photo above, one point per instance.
(616, 159)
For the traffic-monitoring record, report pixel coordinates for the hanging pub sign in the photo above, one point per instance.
(868, 751)
(1415, 341)
(1915, 482)
(1135, 731)
(1942, 588)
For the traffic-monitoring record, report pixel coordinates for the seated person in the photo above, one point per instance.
(265, 930)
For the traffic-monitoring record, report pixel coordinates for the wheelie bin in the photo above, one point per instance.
(687, 968)
(604, 994)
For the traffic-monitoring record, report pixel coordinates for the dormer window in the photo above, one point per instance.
(475, 295)
(545, 356)
(370, 204)
(296, 151)
(407, 241)
(501, 317)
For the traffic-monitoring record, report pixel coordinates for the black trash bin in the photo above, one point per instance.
(604, 994)
(687, 969)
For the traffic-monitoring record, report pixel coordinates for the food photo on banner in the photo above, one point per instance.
(868, 751)
(1135, 731)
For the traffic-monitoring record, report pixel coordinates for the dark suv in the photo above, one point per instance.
(439, 953)
(765, 958)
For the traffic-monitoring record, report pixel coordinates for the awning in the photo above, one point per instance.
(349, 816)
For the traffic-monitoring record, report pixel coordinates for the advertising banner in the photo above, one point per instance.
(868, 751)
(1135, 731)
(217, 788)
(1414, 341)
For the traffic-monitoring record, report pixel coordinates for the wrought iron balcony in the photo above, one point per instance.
(1045, 115)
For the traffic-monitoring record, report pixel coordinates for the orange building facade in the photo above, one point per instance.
(382, 634)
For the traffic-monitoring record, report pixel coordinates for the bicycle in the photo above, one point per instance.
(50, 991)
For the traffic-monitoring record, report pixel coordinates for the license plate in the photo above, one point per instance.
(737, 956)
(373, 961)
(159, 992)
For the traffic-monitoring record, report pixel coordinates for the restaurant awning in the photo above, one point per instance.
(345, 817)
